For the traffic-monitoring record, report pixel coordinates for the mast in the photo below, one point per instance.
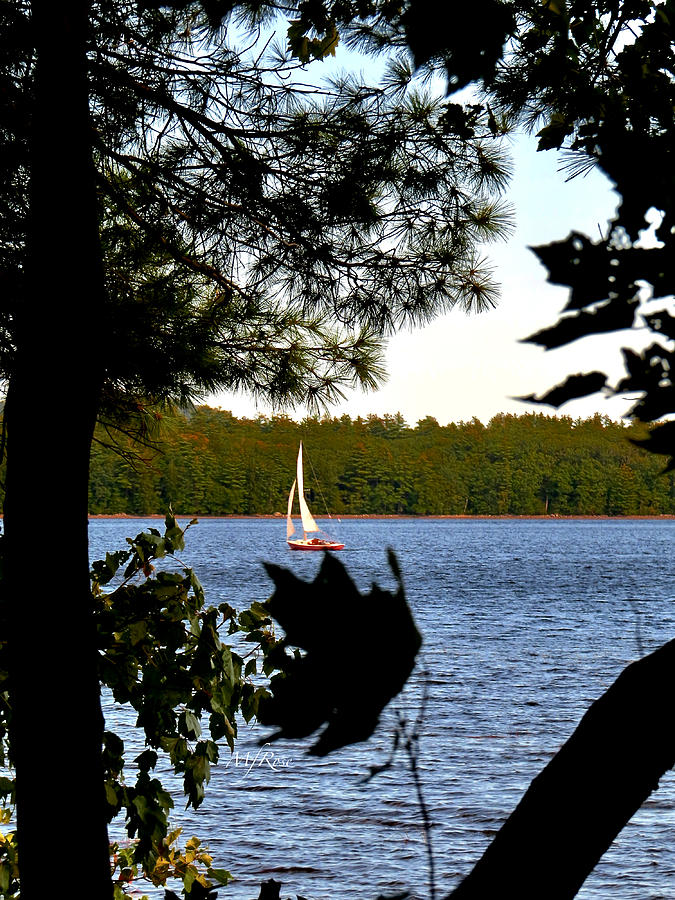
(308, 523)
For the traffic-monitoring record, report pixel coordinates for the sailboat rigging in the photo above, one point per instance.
(309, 526)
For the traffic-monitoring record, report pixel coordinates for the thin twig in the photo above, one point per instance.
(412, 749)
(408, 737)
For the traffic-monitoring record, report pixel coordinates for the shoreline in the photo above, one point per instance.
(383, 516)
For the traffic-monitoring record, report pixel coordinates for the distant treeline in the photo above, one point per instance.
(211, 463)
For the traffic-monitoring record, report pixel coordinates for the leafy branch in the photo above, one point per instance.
(160, 653)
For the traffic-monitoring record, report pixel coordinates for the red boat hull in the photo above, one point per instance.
(315, 544)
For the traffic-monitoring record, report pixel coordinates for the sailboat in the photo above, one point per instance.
(309, 526)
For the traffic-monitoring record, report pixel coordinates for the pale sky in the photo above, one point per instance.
(460, 367)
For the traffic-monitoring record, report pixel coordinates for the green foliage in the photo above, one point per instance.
(213, 464)
(193, 865)
(306, 48)
(9, 867)
(161, 654)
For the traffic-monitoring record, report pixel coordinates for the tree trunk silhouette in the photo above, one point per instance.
(591, 788)
(56, 712)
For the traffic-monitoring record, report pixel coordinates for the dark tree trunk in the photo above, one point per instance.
(50, 413)
(579, 803)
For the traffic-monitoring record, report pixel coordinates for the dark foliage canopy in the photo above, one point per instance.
(263, 228)
(600, 78)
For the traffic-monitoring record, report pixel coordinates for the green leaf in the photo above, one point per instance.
(7, 786)
(141, 805)
(110, 794)
(249, 620)
(220, 876)
(228, 663)
(196, 586)
(146, 760)
(177, 749)
(175, 540)
(189, 725)
(188, 879)
(552, 136)
(137, 631)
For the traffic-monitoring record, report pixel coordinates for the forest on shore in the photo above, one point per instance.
(207, 462)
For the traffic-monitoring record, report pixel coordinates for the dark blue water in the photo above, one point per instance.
(524, 624)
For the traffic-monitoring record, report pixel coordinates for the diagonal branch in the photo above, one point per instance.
(592, 787)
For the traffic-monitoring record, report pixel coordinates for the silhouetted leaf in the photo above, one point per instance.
(597, 271)
(551, 137)
(467, 37)
(269, 890)
(574, 386)
(661, 440)
(657, 404)
(579, 264)
(329, 683)
(199, 892)
(612, 316)
(662, 322)
(649, 373)
(645, 370)
(401, 896)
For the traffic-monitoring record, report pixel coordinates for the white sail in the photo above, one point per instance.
(308, 523)
(290, 527)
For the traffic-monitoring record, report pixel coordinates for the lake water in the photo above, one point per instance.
(525, 623)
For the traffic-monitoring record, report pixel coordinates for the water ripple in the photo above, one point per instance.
(524, 622)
